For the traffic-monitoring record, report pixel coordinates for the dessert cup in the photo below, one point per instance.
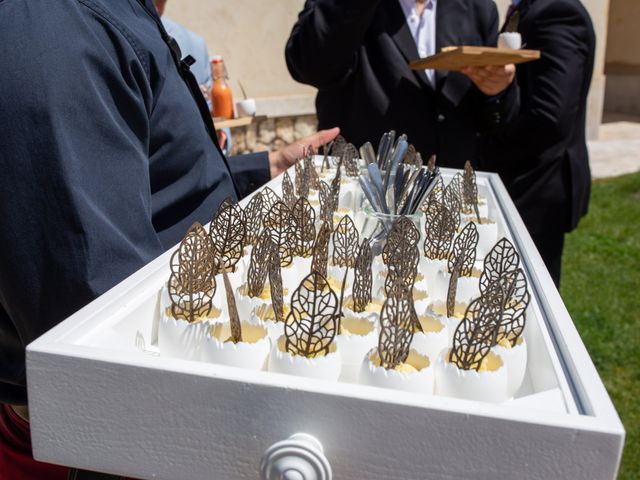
(487, 236)
(467, 288)
(487, 385)
(250, 353)
(178, 338)
(416, 374)
(357, 336)
(323, 367)
(439, 311)
(433, 338)
(515, 359)
(263, 314)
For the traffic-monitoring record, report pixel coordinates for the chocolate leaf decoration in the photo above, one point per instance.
(335, 192)
(501, 259)
(402, 266)
(475, 335)
(410, 156)
(345, 243)
(299, 176)
(253, 218)
(436, 195)
(326, 149)
(259, 263)
(279, 224)
(304, 217)
(192, 282)
(431, 163)
(440, 229)
(269, 199)
(321, 250)
(311, 325)
(275, 285)
(312, 175)
(513, 290)
(288, 196)
(402, 230)
(464, 247)
(350, 160)
(452, 195)
(397, 317)
(363, 280)
(461, 260)
(326, 208)
(470, 191)
(234, 318)
(227, 231)
(339, 145)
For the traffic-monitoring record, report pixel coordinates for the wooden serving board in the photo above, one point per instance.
(457, 58)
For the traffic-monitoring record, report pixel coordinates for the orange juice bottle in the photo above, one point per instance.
(221, 97)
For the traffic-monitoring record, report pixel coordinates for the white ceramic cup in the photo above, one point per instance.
(246, 107)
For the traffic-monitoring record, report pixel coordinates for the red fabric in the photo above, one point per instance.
(16, 459)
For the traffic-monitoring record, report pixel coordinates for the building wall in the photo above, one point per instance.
(623, 58)
(251, 36)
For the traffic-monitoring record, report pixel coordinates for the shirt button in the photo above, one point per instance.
(441, 118)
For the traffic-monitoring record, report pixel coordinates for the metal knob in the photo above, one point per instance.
(300, 457)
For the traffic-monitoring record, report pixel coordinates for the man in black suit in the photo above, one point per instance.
(357, 54)
(542, 154)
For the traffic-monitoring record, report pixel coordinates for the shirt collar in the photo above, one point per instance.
(409, 5)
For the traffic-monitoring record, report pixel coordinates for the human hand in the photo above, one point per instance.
(492, 79)
(282, 159)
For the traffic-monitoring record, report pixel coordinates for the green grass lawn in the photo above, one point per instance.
(601, 288)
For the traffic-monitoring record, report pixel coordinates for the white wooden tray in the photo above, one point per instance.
(99, 402)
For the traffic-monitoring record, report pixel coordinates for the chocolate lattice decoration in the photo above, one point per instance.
(350, 160)
(259, 263)
(440, 229)
(326, 208)
(326, 148)
(275, 286)
(411, 156)
(402, 267)
(227, 231)
(397, 318)
(452, 195)
(192, 282)
(363, 279)
(470, 191)
(312, 323)
(464, 249)
(475, 334)
(269, 199)
(461, 260)
(304, 217)
(502, 259)
(299, 169)
(402, 230)
(279, 224)
(288, 196)
(234, 318)
(339, 144)
(512, 289)
(335, 191)
(321, 250)
(253, 218)
(311, 173)
(345, 243)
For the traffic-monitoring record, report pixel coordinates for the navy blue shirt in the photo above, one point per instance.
(106, 158)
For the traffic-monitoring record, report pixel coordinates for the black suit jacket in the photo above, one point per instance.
(542, 155)
(357, 53)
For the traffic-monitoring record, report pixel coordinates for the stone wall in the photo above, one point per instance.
(272, 133)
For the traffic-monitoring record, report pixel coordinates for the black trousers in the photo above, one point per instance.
(550, 244)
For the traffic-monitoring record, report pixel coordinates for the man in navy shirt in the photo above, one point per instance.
(108, 155)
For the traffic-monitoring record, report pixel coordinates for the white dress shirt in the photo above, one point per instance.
(423, 29)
